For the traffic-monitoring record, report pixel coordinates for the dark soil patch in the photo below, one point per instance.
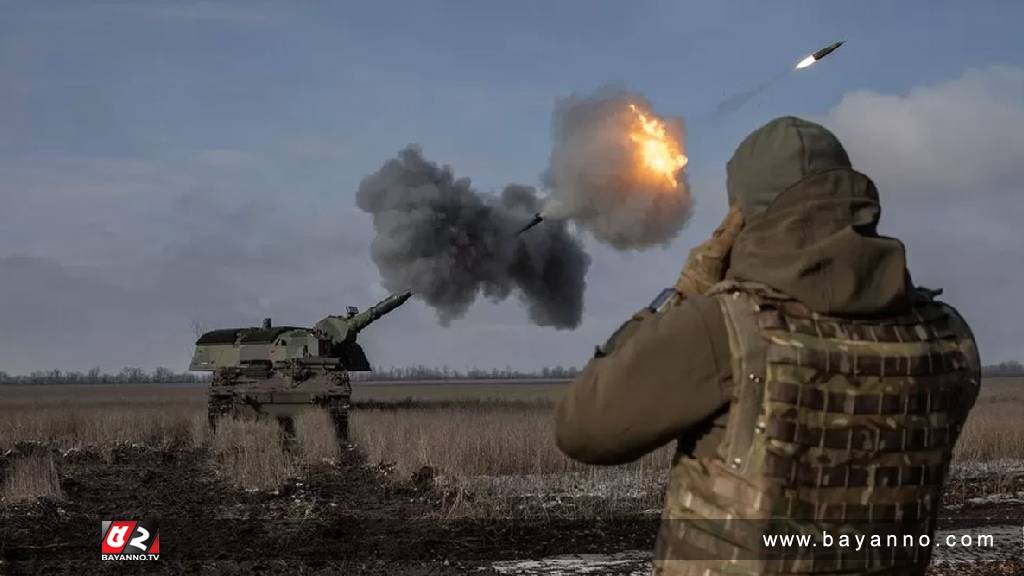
(345, 518)
(341, 519)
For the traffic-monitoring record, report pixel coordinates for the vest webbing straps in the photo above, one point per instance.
(748, 391)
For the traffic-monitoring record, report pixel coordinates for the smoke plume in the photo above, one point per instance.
(739, 99)
(596, 175)
(448, 243)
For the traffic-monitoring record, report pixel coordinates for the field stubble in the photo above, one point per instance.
(493, 460)
(488, 447)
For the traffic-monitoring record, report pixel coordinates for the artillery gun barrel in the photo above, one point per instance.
(368, 316)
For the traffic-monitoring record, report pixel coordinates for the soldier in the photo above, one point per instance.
(803, 375)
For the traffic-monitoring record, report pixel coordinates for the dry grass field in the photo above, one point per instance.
(48, 421)
(495, 460)
(492, 446)
(79, 416)
(424, 460)
(32, 477)
(994, 430)
(489, 446)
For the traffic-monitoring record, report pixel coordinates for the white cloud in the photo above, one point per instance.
(948, 160)
(947, 138)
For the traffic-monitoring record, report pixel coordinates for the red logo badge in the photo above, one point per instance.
(129, 540)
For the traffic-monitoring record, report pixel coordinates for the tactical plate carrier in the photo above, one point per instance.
(838, 424)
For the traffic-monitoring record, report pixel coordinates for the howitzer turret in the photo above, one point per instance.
(280, 370)
(339, 329)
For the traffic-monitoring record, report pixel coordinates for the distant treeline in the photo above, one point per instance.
(166, 376)
(445, 373)
(1011, 368)
(96, 376)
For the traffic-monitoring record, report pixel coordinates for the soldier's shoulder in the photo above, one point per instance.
(922, 294)
(929, 297)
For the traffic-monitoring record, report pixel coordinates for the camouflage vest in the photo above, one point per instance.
(835, 424)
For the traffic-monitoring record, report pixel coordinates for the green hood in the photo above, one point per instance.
(811, 223)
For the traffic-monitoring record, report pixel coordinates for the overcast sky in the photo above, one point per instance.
(170, 163)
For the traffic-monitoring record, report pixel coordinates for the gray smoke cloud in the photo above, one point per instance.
(594, 176)
(448, 243)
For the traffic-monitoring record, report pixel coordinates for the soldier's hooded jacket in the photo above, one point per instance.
(814, 384)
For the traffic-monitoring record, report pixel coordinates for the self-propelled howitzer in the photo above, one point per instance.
(281, 370)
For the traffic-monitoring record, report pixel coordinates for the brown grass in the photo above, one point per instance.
(250, 454)
(491, 444)
(31, 477)
(494, 460)
(78, 416)
(314, 437)
(993, 432)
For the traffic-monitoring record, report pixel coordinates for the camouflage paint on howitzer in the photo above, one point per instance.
(280, 371)
(837, 423)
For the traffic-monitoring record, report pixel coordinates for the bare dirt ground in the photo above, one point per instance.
(343, 519)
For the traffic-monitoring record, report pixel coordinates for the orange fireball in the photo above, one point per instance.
(660, 155)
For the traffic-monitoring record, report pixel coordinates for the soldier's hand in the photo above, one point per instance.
(705, 266)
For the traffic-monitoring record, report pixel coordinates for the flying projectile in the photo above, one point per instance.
(537, 219)
(818, 55)
(827, 50)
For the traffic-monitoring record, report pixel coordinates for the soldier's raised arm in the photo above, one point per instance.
(659, 375)
(663, 372)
